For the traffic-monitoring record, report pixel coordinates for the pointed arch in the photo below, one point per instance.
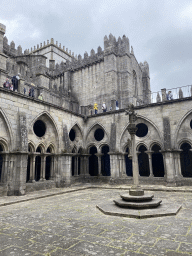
(175, 143)
(155, 143)
(51, 145)
(32, 145)
(141, 143)
(41, 146)
(147, 120)
(45, 113)
(92, 127)
(9, 129)
(4, 144)
(78, 126)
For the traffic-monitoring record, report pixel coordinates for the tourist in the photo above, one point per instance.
(7, 84)
(15, 81)
(117, 105)
(24, 90)
(169, 95)
(11, 87)
(95, 108)
(104, 107)
(40, 97)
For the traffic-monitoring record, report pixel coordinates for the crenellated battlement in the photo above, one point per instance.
(118, 47)
(51, 42)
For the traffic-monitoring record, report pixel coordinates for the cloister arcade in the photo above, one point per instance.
(90, 152)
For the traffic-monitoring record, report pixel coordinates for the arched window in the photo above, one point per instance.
(143, 161)
(73, 163)
(186, 160)
(157, 162)
(80, 161)
(128, 163)
(48, 165)
(38, 165)
(93, 162)
(105, 161)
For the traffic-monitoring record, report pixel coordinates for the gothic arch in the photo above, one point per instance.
(51, 135)
(52, 147)
(46, 114)
(141, 144)
(92, 127)
(31, 144)
(176, 143)
(9, 129)
(4, 144)
(42, 146)
(184, 140)
(78, 127)
(90, 146)
(155, 143)
(123, 141)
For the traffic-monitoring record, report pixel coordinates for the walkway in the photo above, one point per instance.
(55, 222)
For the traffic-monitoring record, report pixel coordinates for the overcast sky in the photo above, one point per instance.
(159, 31)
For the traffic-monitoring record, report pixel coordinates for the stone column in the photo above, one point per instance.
(76, 164)
(170, 167)
(177, 161)
(114, 164)
(122, 167)
(86, 164)
(52, 171)
(65, 167)
(4, 174)
(43, 160)
(32, 168)
(99, 155)
(149, 153)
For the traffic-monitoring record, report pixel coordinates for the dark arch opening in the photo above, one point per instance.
(191, 124)
(37, 168)
(48, 168)
(72, 135)
(186, 160)
(1, 162)
(128, 163)
(105, 161)
(93, 162)
(157, 162)
(99, 134)
(48, 164)
(143, 161)
(38, 149)
(73, 164)
(28, 168)
(39, 128)
(38, 165)
(79, 161)
(49, 150)
(142, 130)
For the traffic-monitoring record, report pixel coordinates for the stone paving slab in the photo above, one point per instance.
(69, 224)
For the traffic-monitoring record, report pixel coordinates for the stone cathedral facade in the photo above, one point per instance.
(59, 140)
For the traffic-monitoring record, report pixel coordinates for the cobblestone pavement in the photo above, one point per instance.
(70, 224)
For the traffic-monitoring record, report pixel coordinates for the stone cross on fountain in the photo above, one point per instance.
(132, 129)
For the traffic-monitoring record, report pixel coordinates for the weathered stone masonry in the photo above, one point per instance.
(71, 145)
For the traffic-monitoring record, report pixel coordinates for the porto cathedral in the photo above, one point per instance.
(62, 119)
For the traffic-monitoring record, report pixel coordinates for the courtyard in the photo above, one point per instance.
(66, 222)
